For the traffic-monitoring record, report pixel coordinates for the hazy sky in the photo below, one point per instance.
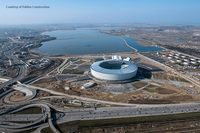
(102, 11)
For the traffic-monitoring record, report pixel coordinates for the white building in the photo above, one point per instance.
(113, 70)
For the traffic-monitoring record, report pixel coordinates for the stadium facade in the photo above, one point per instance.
(113, 70)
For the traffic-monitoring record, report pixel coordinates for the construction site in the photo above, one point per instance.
(152, 84)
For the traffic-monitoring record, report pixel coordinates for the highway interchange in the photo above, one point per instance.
(9, 120)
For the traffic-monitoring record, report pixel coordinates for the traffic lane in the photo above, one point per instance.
(130, 112)
(21, 117)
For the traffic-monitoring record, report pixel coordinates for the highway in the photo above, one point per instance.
(20, 117)
(23, 68)
(11, 126)
(10, 122)
(123, 112)
(70, 115)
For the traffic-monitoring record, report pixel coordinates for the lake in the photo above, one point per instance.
(87, 41)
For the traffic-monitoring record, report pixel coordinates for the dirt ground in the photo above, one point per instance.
(160, 87)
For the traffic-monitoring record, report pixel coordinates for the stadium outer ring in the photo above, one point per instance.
(102, 73)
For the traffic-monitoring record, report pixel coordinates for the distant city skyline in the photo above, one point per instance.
(167, 12)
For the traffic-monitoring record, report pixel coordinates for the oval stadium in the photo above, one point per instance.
(113, 70)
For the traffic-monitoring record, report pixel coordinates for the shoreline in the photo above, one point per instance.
(34, 50)
(126, 43)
